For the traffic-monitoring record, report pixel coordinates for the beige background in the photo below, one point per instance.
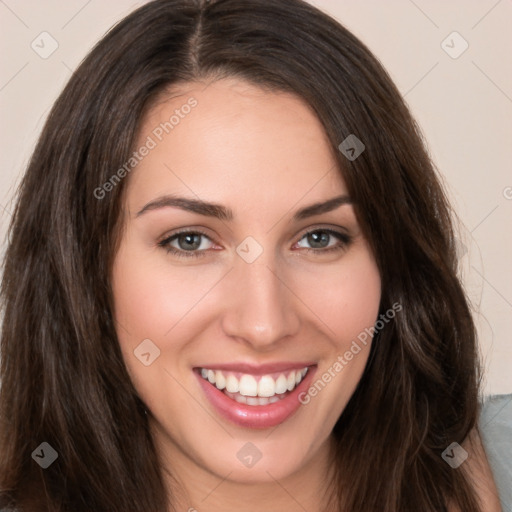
(463, 105)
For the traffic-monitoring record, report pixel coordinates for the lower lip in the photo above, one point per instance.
(256, 416)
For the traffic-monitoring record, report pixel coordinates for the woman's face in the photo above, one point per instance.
(268, 285)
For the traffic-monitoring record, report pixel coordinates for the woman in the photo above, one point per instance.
(231, 282)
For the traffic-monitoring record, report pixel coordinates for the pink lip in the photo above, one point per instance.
(257, 416)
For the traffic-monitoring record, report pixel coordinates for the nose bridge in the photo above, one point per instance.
(261, 308)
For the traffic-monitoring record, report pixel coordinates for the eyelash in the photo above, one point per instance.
(344, 241)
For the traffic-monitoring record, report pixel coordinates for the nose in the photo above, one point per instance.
(262, 309)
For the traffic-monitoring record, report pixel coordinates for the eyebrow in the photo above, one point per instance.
(221, 212)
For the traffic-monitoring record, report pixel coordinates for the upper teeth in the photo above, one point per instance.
(249, 385)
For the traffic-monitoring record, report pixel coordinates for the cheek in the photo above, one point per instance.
(345, 297)
(152, 297)
(346, 302)
(152, 302)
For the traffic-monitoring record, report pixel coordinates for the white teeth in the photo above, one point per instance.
(266, 386)
(248, 386)
(232, 384)
(251, 400)
(261, 390)
(281, 384)
(291, 381)
(240, 398)
(220, 381)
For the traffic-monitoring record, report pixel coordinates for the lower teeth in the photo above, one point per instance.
(254, 400)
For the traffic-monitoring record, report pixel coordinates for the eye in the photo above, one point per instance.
(194, 244)
(187, 244)
(324, 240)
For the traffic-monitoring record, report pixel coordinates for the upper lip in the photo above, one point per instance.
(258, 369)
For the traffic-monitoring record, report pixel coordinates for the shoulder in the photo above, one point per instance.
(478, 469)
(480, 474)
(495, 428)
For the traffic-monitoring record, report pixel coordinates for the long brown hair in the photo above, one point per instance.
(62, 374)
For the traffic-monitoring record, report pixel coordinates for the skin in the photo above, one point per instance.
(263, 155)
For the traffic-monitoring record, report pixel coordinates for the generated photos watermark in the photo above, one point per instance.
(145, 149)
(45, 455)
(344, 359)
(454, 455)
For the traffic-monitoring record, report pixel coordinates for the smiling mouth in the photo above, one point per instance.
(254, 390)
(256, 396)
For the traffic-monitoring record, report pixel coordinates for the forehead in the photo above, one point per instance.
(233, 142)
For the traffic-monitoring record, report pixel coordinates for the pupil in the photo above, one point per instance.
(318, 239)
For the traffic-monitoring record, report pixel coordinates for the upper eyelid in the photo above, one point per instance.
(185, 231)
